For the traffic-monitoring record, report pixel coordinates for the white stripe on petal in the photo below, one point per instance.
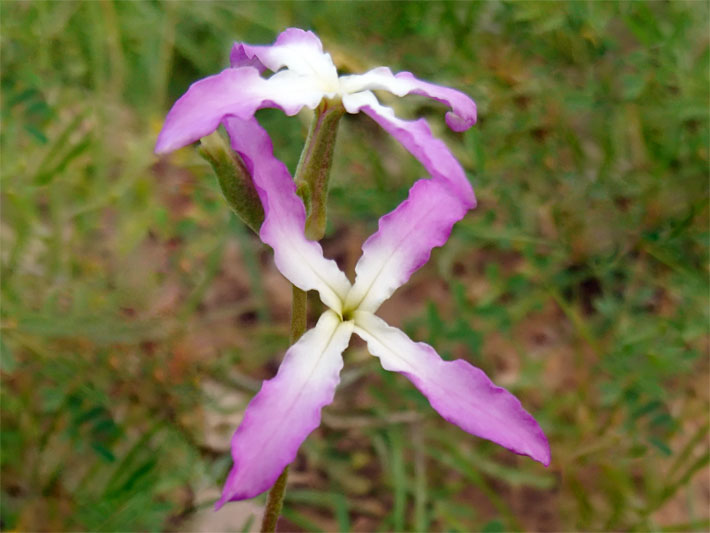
(463, 110)
(458, 391)
(286, 409)
(235, 92)
(403, 242)
(380, 78)
(301, 52)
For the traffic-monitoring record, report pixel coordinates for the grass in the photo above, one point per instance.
(138, 315)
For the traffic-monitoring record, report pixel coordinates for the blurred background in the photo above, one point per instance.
(139, 315)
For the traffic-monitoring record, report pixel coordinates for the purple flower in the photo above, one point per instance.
(309, 76)
(288, 407)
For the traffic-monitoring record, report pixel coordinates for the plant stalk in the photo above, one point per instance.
(274, 503)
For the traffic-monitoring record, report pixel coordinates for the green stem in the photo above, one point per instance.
(298, 313)
(274, 503)
(313, 171)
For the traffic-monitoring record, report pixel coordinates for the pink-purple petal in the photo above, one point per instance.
(286, 409)
(417, 138)
(301, 261)
(235, 92)
(463, 109)
(403, 242)
(200, 110)
(458, 391)
(298, 50)
(269, 56)
(291, 36)
(245, 55)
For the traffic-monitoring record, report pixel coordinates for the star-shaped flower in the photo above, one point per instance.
(287, 408)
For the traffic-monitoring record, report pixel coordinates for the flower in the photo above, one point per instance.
(288, 407)
(309, 76)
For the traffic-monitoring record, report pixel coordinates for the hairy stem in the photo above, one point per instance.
(274, 504)
(298, 313)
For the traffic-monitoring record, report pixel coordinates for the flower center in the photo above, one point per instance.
(348, 314)
(330, 84)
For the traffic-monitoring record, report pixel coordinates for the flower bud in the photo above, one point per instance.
(313, 171)
(234, 180)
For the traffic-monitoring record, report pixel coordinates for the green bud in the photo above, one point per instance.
(234, 180)
(313, 171)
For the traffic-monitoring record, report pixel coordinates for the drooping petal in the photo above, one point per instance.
(463, 110)
(404, 242)
(458, 391)
(286, 409)
(299, 51)
(301, 261)
(233, 92)
(416, 137)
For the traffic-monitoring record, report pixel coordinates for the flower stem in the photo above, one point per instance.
(274, 503)
(299, 307)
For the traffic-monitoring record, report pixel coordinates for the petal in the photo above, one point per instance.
(246, 55)
(298, 50)
(416, 137)
(301, 261)
(458, 391)
(463, 110)
(286, 409)
(404, 242)
(234, 91)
